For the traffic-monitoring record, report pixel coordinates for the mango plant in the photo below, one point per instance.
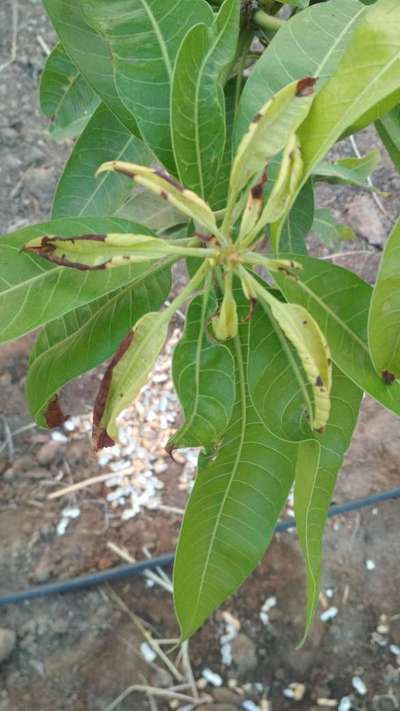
(201, 128)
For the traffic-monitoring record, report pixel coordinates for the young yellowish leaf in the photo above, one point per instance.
(164, 185)
(226, 323)
(99, 251)
(253, 209)
(126, 374)
(289, 178)
(304, 333)
(270, 131)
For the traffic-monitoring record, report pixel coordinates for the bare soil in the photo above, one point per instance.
(80, 651)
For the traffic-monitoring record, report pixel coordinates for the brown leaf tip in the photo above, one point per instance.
(54, 415)
(388, 377)
(305, 87)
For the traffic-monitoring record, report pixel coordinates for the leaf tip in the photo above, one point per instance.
(54, 415)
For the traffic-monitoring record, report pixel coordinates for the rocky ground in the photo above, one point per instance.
(81, 651)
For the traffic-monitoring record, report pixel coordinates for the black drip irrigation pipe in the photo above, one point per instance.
(126, 571)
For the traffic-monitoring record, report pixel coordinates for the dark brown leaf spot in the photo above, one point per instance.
(124, 171)
(54, 415)
(257, 118)
(100, 437)
(170, 449)
(169, 179)
(320, 430)
(164, 195)
(250, 313)
(319, 382)
(305, 87)
(388, 377)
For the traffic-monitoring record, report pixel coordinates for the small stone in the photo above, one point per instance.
(359, 685)
(49, 452)
(211, 677)
(37, 473)
(385, 702)
(22, 464)
(244, 654)
(364, 218)
(226, 696)
(161, 678)
(42, 572)
(8, 641)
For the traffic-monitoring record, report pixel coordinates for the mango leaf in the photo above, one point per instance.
(311, 43)
(328, 230)
(204, 378)
(384, 315)
(90, 54)
(126, 374)
(311, 346)
(339, 301)
(275, 375)
(165, 186)
(233, 509)
(144, 40)
(351, 171)
(105, 251)
(318, 464)
(65, 96)
(388, 128)
(79, 192)
(301, 4)
(219, 196)
(82, 339)
(270, 130)
(54, 291)
(357, 84)
(299, 221)
(197, 100)
(150, 210)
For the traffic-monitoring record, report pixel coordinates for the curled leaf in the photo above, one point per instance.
(89, 252)
(254, 207)
(126, 374)
(289, 178)
(164, 185)
(270, 130)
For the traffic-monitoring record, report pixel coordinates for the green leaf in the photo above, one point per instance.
(328, 230)
(204, 378)
(148, 209)
(79, 192)
(384, 315)
(311, 43)
(127, 373)
(299, 221)
(353, 171)
(339, 301)
(357, 84)
(318, 463)
(82, 339)
(65, 96)
(90, 54)
(197, 100)
(233, 508)
(144, 40)
(220, 193)
(33, 292)
(301, 4)
(163, 185)
(388, 128)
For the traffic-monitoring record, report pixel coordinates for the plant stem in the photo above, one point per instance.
(187, 290)
(267, 22)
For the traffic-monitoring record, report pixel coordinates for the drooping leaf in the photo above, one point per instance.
(26, 280)
(65, 96)
(126, 374)
(353, 171)
(82, 339)
(299, 221)
(305, 335)
(144, 39)
(148, 209)
(270, 130)
(384, 315)
(318, 464)
(388, 128)
(311, 43)
(79, 192)
(339, 301)
(197, 100)
(328, 230)
(90, 54)
(105, 251)
(163, 185)
(233, 509)
(204, 378)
